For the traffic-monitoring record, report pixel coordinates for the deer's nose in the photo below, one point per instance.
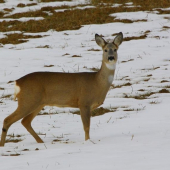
(111, 58)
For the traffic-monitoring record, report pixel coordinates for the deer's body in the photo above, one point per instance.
(43, 86)
(85, 91)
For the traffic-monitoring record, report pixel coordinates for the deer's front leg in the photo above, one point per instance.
(85, 116)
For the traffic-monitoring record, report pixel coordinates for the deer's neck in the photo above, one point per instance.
(106, 73)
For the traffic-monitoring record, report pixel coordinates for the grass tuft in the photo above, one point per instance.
(21, 5)
(135, 38)
(97, 112)
(17, 38)
(164, 91)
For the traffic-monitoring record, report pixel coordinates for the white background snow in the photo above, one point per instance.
(138, 139)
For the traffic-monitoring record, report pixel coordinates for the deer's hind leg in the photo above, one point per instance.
(26, 122)
(18, 114)
(23, 110)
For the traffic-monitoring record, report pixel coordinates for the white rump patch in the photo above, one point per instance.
(16, 90)
(111, 66)
(110, 79)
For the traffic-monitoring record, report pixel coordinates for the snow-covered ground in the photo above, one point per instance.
(135, 136)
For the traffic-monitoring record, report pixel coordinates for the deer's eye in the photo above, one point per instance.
(105, 50)
(115, 50)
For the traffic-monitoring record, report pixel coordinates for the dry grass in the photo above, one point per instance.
(13, 154)
(164, 81)
(13, 140)
(146, 5)
(145, 95)
(140, 96)
(97, 112)
(53, 0)
(95, 69)
(6, 96)
(68, 20)
(76, 56)
(21, 5)
(1, 14)
(92, 49)
(134, 38)
(48, 65)
(127, 60)
(163, 11)
(119, 86)
(72, 18)
(17, 38)
(24, 5)
(129, 21)
(164, 91)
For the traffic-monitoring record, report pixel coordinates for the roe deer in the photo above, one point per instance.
(86, 91)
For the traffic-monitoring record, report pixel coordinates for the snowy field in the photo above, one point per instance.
(134, 135)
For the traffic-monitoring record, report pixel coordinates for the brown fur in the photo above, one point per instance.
(85, 91)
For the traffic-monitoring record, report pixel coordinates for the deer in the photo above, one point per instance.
(83, 90)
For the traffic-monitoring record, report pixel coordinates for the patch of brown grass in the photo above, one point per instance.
(134, 38)
(164, 91)
(38, 13)
(48, 65)
(92, 49)
(127, 61)
(94, 69)
(21, 5)
(76, 56)
(32, 4)
(146, 5)
(119, 86)
(13, 140)
(13, 154)
(97, 112)
(17, 38)
(6, 96)
(164, 81)
(1, 14)
(45, 46)
(129, 21)
(140, 96)
(54, 0)
(67, 20)
(163, 11)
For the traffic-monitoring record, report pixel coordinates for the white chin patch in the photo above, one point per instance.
(111, 66)
(110, 79)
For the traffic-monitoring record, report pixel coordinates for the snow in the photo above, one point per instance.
(122, 139)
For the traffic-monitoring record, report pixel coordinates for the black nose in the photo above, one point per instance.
(111, 58)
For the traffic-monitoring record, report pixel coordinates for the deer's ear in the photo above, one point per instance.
(100, 41)
(118, 39)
